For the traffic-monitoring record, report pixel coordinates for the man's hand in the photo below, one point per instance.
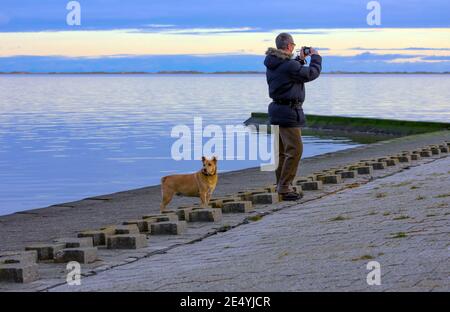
(302, 55)
(314, 51)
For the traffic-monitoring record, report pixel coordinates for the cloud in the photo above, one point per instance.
(192, 31)
(400, 49)
(368, 62)
(436, 58)
(368, 56)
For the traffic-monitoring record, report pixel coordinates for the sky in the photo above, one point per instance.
(151, 36)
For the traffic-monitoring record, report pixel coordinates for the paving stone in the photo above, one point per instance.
(331, 179)
(265, 198)
(127, 241)
(168, 228)
(365, 170)
(205, 215)
(141, 224)
(46, 251)
(75, 242)
(29, 256)
(82, 255)
(19, 272)
(237, 207)
(98, 237)
(350, 174)
(312, 185)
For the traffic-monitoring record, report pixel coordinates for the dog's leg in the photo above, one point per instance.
(167, 195)
(208, 197)
(203, 199)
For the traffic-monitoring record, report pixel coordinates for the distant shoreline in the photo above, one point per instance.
(215, 73)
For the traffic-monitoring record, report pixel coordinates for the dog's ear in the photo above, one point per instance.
(214, 159)
(203, 159)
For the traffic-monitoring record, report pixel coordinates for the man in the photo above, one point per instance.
(286, 77)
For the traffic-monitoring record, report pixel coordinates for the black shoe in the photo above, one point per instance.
(290, 196)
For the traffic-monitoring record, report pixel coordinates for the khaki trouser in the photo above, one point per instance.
(290, 153)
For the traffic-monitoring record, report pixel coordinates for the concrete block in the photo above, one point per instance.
(25, 257)
(415, 157)
(244, 195)
(311, 186)
(219, 201)
(257, 191)
(81, 255)
(331, 179)
(127, 241)
(297, 189)
(435, 151)
(425, 153)
(205, 215)
(142, 225)
(312, 177)
(172, 214)
(168, 228)
(349, 174)
(299, 180)
(19, 272)
(183, 213)
(126, 229)
(161, 217)
(109, 229)
(74, 242)
(365, 170)
(265, 198)
(46, 251)
(379, 165)
(237, 207)
(443, 149)
(404, 159)
(271, 188)
(98, 237)
(391, 162)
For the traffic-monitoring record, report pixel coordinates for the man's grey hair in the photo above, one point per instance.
(283, 40)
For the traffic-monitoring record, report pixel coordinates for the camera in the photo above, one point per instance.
(306, 51)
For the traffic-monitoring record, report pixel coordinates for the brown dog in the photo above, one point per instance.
(200, 184)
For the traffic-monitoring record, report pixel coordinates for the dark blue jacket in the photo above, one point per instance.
(286, 78)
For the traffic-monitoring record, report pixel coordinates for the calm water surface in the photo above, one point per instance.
(64, 138)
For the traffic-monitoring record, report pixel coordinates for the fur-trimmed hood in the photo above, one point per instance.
(274, 57)
(282, 54)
